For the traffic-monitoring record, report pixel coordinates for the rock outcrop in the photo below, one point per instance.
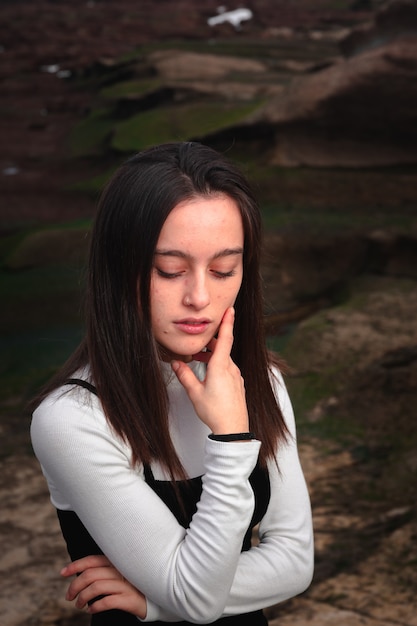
(361, 111)
(393, 20)
(303, 273)
(178, 65)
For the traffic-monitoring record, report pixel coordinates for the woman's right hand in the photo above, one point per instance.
(99, 586)
(219, 400)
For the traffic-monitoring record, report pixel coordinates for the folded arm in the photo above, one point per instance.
(186, 572)
(281, 565)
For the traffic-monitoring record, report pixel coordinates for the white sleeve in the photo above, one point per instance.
(281, 566)
(188, 573)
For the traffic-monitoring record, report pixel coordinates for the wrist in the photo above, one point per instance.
(245, 436)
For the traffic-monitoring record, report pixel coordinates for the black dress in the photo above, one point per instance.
(80, 543)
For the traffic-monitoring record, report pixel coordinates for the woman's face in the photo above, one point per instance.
(196, 274)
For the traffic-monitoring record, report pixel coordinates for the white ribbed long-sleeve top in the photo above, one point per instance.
(197, 574)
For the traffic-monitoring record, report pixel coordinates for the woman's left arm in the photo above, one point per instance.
(281, 565)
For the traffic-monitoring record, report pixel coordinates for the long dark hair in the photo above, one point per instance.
(119, 345)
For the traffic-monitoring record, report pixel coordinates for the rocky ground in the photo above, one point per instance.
(344, 273)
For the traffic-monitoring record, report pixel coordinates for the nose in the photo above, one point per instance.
(197, 293)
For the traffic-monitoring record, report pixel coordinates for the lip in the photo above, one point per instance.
(193, 326)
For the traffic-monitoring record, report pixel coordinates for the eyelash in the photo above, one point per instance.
(167, 275)
(219, 275)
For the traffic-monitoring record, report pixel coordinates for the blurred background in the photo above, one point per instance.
(317, 101)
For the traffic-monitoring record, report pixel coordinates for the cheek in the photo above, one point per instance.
(234, 290)
(156, 309)
(161, 306)
(157, 305)
(157, 293)
(226, 299)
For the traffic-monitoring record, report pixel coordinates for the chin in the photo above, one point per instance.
(185, 352)
(179, 353)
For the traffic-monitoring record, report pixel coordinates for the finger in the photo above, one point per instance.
(88, 577)
(224, 343)
(131, 601)
(78, 566)
(97, 590)
(186, 377)
(104, 603)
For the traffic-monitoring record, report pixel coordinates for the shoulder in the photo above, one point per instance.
(72, 440)
(70, 417)
(68, 403)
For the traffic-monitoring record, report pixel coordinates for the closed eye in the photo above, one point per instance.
(216, 273)
(168, 274)
(224, 274)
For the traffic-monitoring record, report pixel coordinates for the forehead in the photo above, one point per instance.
(205, 222)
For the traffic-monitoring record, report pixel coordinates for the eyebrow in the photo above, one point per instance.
(217, 255)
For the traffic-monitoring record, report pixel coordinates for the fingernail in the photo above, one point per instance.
(175, 365)
(63, 571)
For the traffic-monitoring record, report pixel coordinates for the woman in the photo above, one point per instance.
(164, 439)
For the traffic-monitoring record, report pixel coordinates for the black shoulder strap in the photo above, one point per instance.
(81, 383)
(149, 477)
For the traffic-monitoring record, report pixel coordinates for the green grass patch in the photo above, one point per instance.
(248, 48)
(95, 185)
(330, 220)
(130, 88)
(9, 242)
(56, 246)
(90, 137)
(41, 275)
(188, 121)
(306, 391)
(306, 334)
(308, 388)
